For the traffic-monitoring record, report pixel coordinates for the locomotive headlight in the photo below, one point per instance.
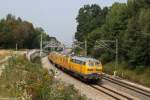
(99, 68)
(90, 69)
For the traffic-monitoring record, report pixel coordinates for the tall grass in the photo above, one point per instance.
(21, 78)
(138, 75)
(4, 53)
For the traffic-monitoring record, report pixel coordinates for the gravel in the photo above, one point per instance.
(125, 90)
(83, 88)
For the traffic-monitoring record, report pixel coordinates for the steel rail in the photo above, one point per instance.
(128, 86)
(117, 93)
(105, 92)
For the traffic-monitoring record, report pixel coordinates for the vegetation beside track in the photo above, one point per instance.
(129, 24)
(22, 78)
(138, 75)
(14, 30)
(4, 53)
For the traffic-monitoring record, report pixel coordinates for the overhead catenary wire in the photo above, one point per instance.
(104, 44)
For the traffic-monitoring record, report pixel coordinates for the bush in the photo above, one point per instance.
(22, 78)
(139, 75)
(36, 60)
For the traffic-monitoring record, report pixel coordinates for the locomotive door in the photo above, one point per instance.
(82, 67)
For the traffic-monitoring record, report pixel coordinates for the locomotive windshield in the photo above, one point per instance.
(78, 61)
(94, 63)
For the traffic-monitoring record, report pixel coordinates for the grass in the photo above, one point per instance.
(21, 78)
(138, 75)
(4, 53)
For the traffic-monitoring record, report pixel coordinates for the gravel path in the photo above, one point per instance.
(84, 89)
(29, 53)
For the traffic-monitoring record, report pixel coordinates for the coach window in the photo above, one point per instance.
(73, 60)
(82, 63)
(77, 61)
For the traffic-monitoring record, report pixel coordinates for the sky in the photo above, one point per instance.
(56, 17)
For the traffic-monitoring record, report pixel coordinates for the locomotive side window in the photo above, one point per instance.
(78, 61)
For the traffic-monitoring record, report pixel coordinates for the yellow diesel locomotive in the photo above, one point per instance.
(87, 69)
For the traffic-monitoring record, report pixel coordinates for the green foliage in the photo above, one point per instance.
(128, 22)
(139, 74)
(89, 18)
(16, 31)
(21, 78)
(36, 60)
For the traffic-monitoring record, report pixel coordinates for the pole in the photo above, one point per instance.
(16, 48)
(73, 45)
(116, 63)
(41, 46)
(85, 47)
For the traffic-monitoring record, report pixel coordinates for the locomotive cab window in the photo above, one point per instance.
(78, 61)
(90, 63)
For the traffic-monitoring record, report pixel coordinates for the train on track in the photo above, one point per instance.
(86, 69)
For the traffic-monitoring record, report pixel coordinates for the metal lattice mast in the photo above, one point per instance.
(41, 45)
(85, 47)
(116, 65)
(78, 43)
(103, 44)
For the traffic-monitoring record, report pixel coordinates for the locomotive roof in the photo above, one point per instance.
(84, 58)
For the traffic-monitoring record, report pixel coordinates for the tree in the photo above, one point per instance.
(89, 18)
(16, 31)
(128, 22)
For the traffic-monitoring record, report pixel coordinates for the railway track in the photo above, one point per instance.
(112, 93)
(103, 89)
(117, 95)
(128, 86)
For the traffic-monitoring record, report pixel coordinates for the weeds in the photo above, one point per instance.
(22, 78)
(139, 74)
